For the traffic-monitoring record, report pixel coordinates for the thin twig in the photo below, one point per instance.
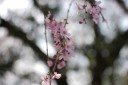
(46, 35)
(57, 58)
(50, 82)
(104, 20)
(54, 68)
(68, 13)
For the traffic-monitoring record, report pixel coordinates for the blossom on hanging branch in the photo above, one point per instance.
(63, 44)
(50, 63)
(46, 80)
(80, 7)
(62, 40)
(95, 11)
(56, 76)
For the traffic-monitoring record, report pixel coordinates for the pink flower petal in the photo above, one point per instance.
(56, 76)
(45, 80)
(61, 65)
(50, 63)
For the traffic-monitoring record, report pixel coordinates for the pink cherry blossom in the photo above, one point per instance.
(45, 80)
(95, 11)
(56, 76)
(61, 37)
(61, 65)
(80, 7)
(50, 63)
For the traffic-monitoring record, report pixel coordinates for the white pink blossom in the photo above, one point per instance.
(80, 7)
(50, 63)
(62, 40)
(95, 11)
(56, 76)
(45, 80)
(61, 64)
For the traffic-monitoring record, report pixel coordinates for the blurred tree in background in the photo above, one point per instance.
(101, 54)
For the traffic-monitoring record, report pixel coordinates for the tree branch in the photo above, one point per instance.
(16, 32)
(116, 46)
(122, 5)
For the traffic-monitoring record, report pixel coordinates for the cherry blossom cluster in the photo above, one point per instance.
(63, 44)
(62, 41)
(47, 79)
(94, 11)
